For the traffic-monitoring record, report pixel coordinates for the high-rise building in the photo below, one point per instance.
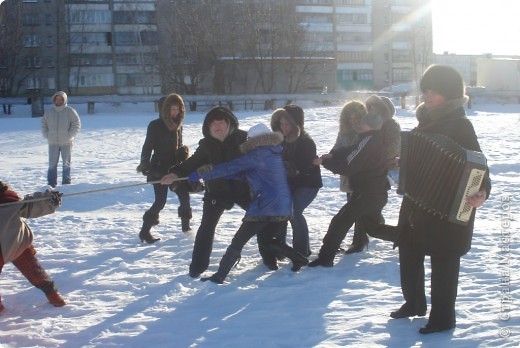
(377, 43)
(96, 47)
(85, 47)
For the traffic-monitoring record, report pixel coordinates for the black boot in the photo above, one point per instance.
(359, 242)
(268, 256)
(149, 219)
(298, 260)
(230, 259)
(185, 215)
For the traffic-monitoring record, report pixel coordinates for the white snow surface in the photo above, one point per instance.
(122, 293)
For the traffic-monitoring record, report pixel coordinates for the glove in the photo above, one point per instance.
(143, 168)
(204, 169)
(183, 153)
(55, 197)
(195, 176)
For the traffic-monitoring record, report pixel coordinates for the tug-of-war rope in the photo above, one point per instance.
(23, 201)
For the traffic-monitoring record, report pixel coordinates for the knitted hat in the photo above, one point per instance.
(373, 120)
(443, 79)
(257, 130)
(296, 113)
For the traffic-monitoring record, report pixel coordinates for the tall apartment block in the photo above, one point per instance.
(97, 47)
(377, 43)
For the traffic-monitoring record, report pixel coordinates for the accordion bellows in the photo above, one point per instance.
(437, 174)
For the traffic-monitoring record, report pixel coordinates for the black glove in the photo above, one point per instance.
(143, 168)
(183, 153)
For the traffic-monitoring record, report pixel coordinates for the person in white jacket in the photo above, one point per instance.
(60, 124)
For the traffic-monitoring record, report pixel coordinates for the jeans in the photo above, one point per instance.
(301, 197)
(54, 157)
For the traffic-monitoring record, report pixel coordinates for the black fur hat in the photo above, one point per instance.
(444, 80)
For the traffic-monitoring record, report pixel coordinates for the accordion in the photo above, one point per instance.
(437, 174)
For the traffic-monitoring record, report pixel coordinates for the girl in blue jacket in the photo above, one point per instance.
(270, 207)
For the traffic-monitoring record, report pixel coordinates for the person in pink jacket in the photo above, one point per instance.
(16, 237)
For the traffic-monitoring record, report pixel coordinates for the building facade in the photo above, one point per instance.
(97, 47)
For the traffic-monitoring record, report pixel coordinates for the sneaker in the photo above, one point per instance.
(56, 300)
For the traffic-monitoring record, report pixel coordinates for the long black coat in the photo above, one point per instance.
(213, 151)
(431, 234)
(163, 146)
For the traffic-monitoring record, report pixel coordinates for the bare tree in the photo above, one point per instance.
(13, 60)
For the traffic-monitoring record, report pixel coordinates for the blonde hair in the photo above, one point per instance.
(353, 109)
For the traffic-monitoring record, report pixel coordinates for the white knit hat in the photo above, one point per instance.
(258, 129)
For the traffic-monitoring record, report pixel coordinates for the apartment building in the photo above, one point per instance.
(85, 47)
(96, 47)
(377, 43)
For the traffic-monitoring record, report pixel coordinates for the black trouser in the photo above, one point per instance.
(265, 231)
(161, 194)
(444, 280)
(360, 207)
(211, 212)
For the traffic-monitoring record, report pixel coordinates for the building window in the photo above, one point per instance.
(357, 75)
(50, 62)
(30, 19)
(32, 83)
(51, 83)
(402, 74)
(50, 41)
(90, 17)
(34, 62)
(32, 41)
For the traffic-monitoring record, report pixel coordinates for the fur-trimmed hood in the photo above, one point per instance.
(384, 106)
(266, 139)
(172, 99)
(275, 124)
(219, 112)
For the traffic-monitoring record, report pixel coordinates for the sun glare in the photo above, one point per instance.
(476, 27)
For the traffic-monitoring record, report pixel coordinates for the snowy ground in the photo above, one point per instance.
(125, 294)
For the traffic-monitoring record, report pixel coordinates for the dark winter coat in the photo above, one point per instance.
(431, 234)
(213, 151)
(163, 146)
(262, 166)
(298, 153)
(363, 163)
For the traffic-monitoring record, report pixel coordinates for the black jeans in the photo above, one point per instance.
(161, 194)
(211, 212)
(360, 207)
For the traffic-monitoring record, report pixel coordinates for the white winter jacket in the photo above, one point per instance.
(60, 124)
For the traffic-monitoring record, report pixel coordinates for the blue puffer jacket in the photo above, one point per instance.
(262, 166)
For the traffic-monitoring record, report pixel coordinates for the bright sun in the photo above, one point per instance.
(476, 27)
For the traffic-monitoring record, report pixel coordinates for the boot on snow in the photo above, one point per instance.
(149, 219)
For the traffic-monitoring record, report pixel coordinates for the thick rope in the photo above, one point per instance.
(23, 201)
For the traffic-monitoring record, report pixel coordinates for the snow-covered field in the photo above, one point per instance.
(125, 294)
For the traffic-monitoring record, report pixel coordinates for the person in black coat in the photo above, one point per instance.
(365, 166)
(391, 133)
(421, 232)
(221, 142)
(304, 177)
(163, 148)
